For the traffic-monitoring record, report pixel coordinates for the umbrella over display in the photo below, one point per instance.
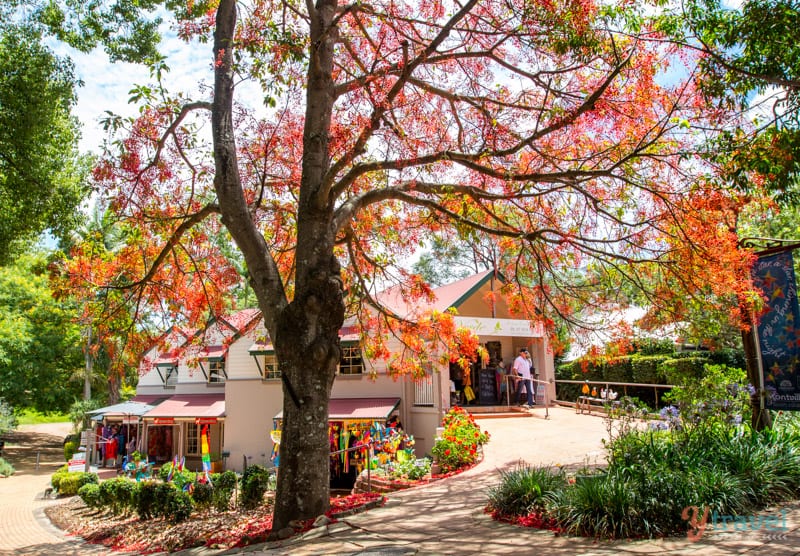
(123, 408)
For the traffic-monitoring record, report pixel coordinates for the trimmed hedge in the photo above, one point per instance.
(618, 369)
(683, 369)
(646, 369)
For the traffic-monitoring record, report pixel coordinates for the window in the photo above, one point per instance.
(216, 370)
(271, 371)
(351, 362)
(192, 439)
(171, 376)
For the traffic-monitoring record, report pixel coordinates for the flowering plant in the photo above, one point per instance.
(458, 446)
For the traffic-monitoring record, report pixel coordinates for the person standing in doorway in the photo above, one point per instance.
(522, 368)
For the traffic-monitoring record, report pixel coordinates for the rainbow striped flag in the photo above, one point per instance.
(204, 452)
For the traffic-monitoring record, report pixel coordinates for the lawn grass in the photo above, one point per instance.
(32, 417)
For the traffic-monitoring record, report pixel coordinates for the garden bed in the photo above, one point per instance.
(218, 530)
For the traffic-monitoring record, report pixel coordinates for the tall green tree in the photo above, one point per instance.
(40, 341)
(42, 176)
(751, 61)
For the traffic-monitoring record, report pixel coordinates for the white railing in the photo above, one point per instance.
(423, 392)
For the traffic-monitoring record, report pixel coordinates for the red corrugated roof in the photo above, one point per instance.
(211, 352)
(445, 296)
(345, 409)
(190, 405)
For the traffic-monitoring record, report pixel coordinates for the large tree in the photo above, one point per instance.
(42, 177)
(385, 124)
(40, 343)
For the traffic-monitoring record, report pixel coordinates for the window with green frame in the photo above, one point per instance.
(216, 370)
(171, 376)
(351, 362)
(270, 369)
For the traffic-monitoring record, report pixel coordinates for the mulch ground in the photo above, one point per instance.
(126, 533)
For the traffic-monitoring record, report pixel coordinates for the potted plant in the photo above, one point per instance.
(216, 462)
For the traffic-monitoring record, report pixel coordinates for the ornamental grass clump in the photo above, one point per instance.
(525, 490)
(460, 442)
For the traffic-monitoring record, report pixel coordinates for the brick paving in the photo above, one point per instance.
(24, 529)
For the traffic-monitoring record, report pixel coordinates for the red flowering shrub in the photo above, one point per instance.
(460, 441)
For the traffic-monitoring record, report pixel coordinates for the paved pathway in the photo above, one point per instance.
(24, 529)
(443, 518)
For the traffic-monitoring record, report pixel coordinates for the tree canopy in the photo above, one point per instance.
(40, 342)
(387, 124)
(750, 61)
(42, 177)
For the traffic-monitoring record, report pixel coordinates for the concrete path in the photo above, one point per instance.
(443, 518)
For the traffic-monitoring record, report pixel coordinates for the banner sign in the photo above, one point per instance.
(779, 330)
(205, 420)
(164, 421)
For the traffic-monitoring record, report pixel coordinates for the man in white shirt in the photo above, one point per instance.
(522, 367)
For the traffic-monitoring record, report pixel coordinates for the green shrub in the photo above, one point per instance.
(70, 482)
(645, 369)
(70, 447)
(653, 346)
(525, 489)
(255, 482)
(599, 506)
(177, 506)
(145, 502)
(55, 479)
(224, 481)
(224, 485)
(618, 369)
(119, 494)
(6, 469)
(680, 370)
(202, 495)
(411, 469)
(729, 357)
(163, 494)
(164, 470)
(90, 494)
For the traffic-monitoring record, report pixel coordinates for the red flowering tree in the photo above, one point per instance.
(386, 124)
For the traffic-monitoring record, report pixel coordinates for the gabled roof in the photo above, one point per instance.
(445, 297)
(237, 325)
(240, 321)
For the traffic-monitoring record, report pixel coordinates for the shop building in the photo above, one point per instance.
(227, 377)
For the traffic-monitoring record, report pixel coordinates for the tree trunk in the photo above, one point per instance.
(307, 347)
(305, 331)
(87, 376)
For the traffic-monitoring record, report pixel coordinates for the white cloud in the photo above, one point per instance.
(107, 85)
